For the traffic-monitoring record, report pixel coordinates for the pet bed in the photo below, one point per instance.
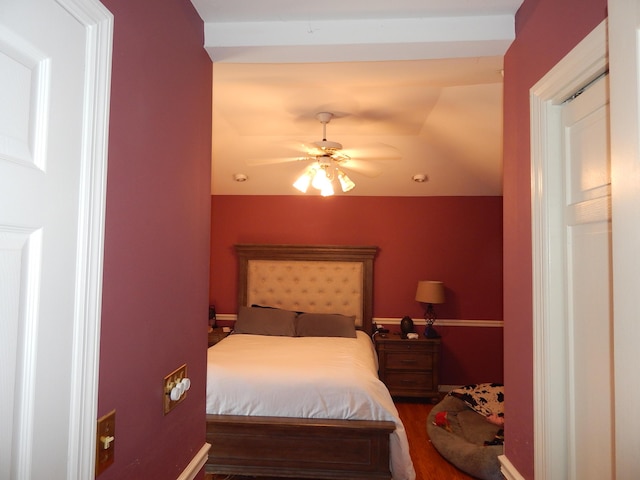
(465, 428)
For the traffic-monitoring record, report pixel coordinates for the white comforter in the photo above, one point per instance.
(309, 377)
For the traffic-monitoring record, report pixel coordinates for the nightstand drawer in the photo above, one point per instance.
(408, 360)
(412, 381)
(422, 346)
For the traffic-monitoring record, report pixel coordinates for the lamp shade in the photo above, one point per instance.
(430, 291)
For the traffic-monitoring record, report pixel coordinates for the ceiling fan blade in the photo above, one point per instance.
(363, 167)
(376, 151)
(253, 162)
(282, 152)
(308, 149)
(311, 150)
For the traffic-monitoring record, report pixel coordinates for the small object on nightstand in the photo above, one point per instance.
(406, 326)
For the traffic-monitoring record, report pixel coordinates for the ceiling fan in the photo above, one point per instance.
(330, 163)
(321, 174)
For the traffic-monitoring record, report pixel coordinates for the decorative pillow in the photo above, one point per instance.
(485, 398)
(325, 325)
(266, 321)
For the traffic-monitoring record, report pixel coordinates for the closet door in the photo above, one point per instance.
(589, 316)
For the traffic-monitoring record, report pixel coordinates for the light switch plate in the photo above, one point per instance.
(105, 441)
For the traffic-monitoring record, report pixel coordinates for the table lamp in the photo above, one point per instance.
(430, 292)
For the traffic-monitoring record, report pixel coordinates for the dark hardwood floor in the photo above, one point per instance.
(428, 463)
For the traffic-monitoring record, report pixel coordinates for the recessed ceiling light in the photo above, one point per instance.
(240, 177)
(420, 178)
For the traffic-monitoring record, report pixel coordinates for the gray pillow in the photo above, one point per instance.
(325, 325)
(266, 321)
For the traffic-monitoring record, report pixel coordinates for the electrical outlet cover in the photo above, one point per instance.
(169, 382)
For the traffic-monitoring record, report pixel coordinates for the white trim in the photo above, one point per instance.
(443, 322)
(447, 388)
(508, 470)
(98, 22)
(624, 51)
(196, 464)
(583, 64)
(231, 317)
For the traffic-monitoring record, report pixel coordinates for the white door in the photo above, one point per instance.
(587, 218)
(54, 76)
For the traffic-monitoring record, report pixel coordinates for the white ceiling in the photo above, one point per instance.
(415, 87)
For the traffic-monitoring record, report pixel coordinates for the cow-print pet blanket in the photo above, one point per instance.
(488, 400)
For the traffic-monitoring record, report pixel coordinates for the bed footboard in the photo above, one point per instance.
(300, 448)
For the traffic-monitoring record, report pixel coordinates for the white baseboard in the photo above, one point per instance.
(508, 470)
(196, 464)
(447, 388)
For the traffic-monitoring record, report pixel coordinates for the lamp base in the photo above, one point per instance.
(430, 332)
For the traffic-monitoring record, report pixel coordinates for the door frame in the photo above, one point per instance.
(587, 61)
(624, 50)
(98, 23)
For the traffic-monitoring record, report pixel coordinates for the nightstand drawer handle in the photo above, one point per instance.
(408, 362)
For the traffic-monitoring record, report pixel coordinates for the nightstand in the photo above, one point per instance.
(409, 368)
(216, 334)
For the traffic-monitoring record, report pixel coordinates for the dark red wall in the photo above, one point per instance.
(454, 239)
(156, 262)
(546, 30)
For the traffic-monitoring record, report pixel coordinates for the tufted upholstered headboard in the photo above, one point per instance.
(308, 278)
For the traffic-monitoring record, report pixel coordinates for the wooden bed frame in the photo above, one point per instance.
(298, 447)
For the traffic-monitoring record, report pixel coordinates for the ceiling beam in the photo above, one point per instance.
(359, 40)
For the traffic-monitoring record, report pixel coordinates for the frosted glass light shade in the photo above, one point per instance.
(303, 182)
(327, 189)
(320, 179)
(345, 182)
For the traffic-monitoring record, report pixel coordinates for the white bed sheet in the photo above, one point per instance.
(305, 377)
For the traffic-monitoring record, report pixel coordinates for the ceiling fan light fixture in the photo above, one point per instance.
(345, 182)
(320, 179)
(327, 189)
(303, 181)
(322, 174)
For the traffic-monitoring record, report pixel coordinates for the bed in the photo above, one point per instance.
(347, 433)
